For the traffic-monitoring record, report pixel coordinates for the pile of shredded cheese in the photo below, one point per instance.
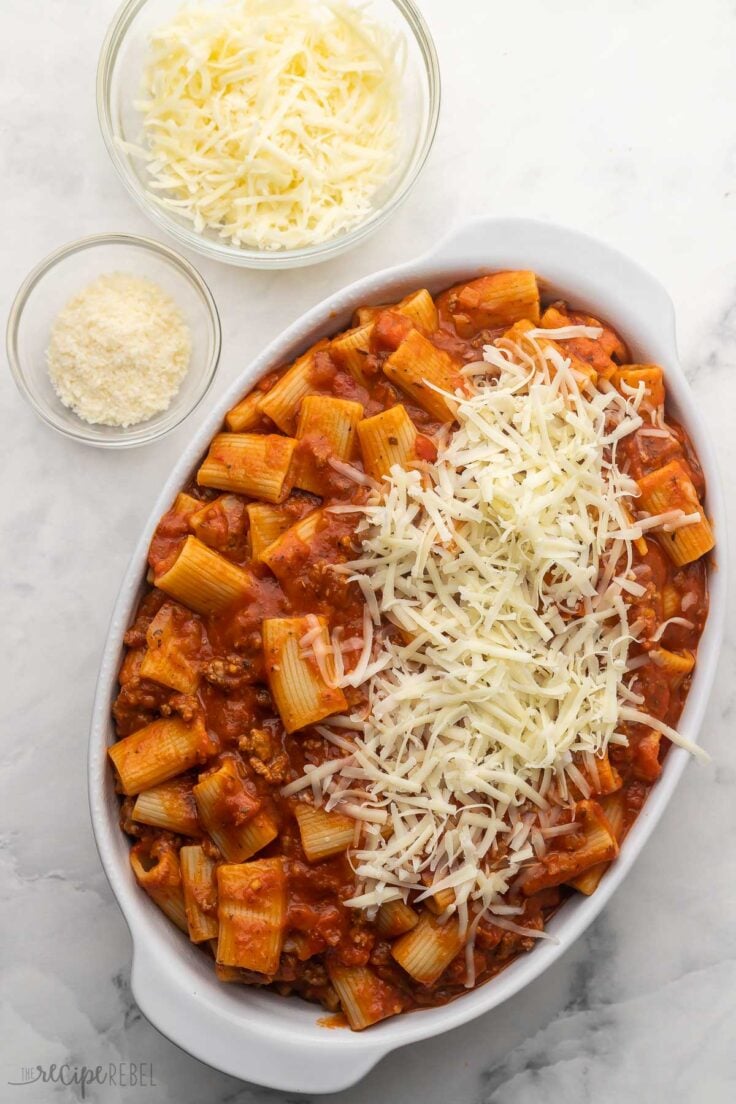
(271, 122)
(119, 351)
(507, 567)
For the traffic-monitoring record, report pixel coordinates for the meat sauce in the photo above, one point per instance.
(234, 702)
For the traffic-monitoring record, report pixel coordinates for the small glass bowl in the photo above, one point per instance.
(63, 274)
(119, 77)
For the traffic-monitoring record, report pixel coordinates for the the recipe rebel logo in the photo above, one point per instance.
(124, 1075)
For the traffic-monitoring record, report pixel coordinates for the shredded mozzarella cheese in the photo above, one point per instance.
(659, 632)
(505, 568)
(271, 122)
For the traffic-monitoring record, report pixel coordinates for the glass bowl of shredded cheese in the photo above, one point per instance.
(113, 340)
(268, 133)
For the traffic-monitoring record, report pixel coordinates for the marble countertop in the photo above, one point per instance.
(617, 119)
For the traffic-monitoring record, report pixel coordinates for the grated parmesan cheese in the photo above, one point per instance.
(271, 122)
(507, 566)
(118, 351)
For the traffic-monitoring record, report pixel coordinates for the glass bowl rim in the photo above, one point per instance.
(239, 255)
(132, 436)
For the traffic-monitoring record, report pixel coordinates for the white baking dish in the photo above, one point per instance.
(279, 1042)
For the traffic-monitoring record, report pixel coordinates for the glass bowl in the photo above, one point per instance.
(119, 77)
(51, 285)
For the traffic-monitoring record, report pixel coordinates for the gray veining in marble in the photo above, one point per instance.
(619, 119)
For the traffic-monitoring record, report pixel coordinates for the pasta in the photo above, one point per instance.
(614, 811)
(352, 348)
(301, 690)
(173, 644)
(199, 886)
(604, 353)
(171, 806)
(421, 309)
(496, 300)
(221, 523)
(281, 404)
(160, 751)
(325, 430)
(418, 367)
(186, 504)
(523, 332)
(386, 439)
(365, 998)
(251, 914)
(671, 489)
(231, 813)
(348, 767)
(650, 377)
(323, 834)
(245, 415)
(156, 867)
(293, 543)
(255, 464)
(203, 580)
(267, 523)
(598, 845)
(395, 918)
(428, 948)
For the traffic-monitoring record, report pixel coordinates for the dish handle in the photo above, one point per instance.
(603, 273)
(254, 1051)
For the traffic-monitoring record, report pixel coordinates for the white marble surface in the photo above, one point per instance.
(615, 118)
